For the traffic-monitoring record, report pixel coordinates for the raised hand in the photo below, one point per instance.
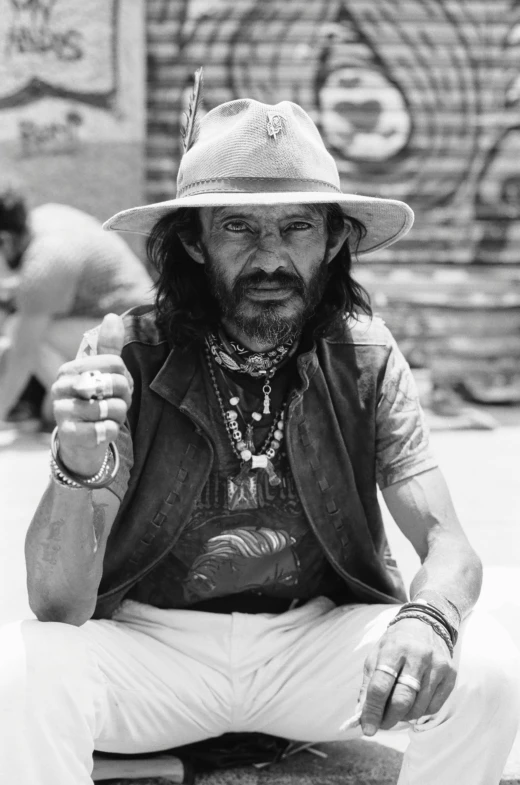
(90, 398)
(413, 652)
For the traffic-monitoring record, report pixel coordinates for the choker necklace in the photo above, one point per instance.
(242, 489)
(234, 357)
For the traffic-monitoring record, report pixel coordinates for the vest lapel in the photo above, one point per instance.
(181, 382)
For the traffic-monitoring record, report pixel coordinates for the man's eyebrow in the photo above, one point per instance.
(227, 212)
(304, 211)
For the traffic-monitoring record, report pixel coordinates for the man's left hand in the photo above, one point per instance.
(410, 648)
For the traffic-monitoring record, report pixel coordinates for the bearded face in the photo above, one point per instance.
(267, 268)
(269, 308)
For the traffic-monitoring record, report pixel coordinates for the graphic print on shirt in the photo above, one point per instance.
(242, 495)
(244, 558)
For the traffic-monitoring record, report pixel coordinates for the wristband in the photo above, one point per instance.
(431, 610)
(442, 603)
(69, 479)
(438, 628)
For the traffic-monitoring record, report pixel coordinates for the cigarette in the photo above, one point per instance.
(355, 720)
(352, 722)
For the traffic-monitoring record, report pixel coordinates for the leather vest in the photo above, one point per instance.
(330, 441)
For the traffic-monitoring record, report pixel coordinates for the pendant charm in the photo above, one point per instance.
(249, 437)
(273, 477)
(266, 389)
(242, 491)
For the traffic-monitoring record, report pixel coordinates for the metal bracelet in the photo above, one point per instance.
(435, 613)
(61, 479)
(101, 479)
(438, 628)
(442, 603)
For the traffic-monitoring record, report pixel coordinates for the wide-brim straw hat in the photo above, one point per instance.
(248, 153)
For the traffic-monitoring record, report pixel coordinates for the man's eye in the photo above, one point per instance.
(236, 226)
(299, 225)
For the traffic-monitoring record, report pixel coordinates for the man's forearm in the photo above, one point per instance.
(64, 552)
(453, 570)
(422, 507)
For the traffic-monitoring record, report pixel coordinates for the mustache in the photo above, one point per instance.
(280, 278)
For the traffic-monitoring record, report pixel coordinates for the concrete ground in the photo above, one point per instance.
(482, 470)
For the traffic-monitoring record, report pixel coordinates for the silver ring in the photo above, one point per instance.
(103, 409)
(410, 681)
(101, 432)
(90, 384)
(107, 386)
(388, 669)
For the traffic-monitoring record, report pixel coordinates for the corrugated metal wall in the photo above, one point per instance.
(417, 100)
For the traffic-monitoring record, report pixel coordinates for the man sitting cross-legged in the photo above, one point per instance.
(209, 555)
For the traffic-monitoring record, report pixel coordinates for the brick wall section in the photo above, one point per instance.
(417, 101)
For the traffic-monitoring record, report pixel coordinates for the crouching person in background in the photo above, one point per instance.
(59, 275)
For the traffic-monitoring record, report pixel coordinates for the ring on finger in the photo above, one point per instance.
(90, 384)
(107, 386)
(103, 409)
(409, 681)
(387, 669)
(101, 432)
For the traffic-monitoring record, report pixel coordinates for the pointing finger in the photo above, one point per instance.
(377, 694)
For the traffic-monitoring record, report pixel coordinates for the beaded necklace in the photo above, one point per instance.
(243, 486)
(234, 357)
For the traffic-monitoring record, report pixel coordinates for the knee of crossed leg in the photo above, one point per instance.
(489, 669)
(45, 667)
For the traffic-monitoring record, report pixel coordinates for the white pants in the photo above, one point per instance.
(152, 679)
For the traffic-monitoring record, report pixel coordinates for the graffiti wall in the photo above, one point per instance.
(72, 112)
(417, 100)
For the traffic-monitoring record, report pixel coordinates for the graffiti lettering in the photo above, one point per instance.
(31, 32)
(65, 45)
(50, 138)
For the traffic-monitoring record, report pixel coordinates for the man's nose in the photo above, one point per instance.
(269, 255)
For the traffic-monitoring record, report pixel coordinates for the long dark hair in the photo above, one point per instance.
(185, 305)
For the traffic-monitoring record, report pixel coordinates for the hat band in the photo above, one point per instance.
(248, 185)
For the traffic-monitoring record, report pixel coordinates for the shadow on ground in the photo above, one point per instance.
(348, 763)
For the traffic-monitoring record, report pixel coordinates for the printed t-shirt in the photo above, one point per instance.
(231, 557)
(244, 548)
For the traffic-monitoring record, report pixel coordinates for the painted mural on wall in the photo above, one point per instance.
(417, 100)
(72, 100)
(53, 48)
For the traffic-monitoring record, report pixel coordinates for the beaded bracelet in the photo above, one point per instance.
(64, 480)
(438, 628)
(435, 613)
(69, 479)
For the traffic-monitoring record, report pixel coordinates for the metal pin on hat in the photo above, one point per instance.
(274, 124)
